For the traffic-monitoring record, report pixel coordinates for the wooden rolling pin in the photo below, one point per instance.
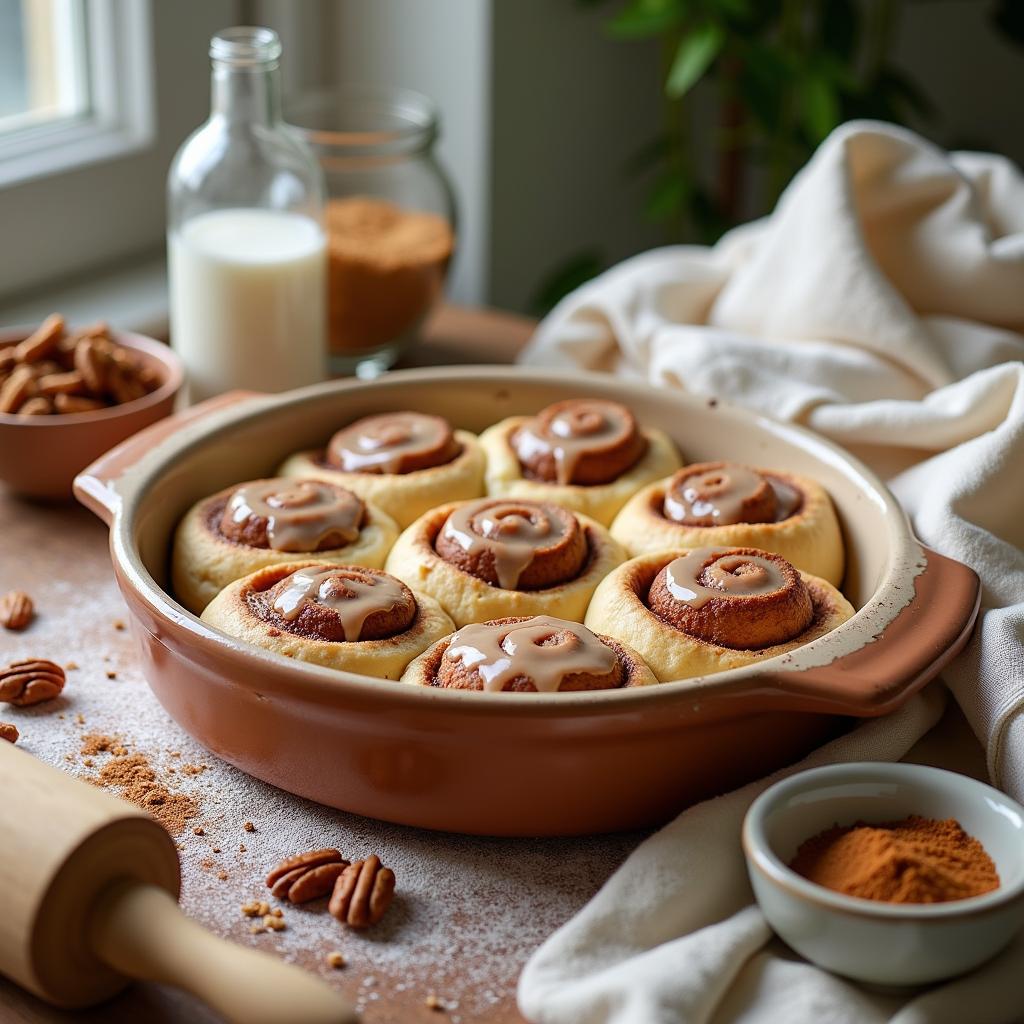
(88, 900)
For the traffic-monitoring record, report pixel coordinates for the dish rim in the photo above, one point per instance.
(303, 679)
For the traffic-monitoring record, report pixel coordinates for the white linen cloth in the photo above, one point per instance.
(881, 304)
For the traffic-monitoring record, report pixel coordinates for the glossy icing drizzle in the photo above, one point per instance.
(720, 494)
(300, 514)
(586, 425)
(728, 575)
(353, 596)
(543, 649)
(381, 444)
(513, 531)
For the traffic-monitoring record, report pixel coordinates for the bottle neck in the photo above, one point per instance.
(246, 96)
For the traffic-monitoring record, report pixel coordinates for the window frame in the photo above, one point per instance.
(121, 117)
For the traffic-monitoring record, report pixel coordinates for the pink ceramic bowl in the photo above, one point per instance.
(40, 455)
(511, 763)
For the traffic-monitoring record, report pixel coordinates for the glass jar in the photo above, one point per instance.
(246, 246)
(390, 220)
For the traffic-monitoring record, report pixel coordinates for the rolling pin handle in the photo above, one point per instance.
(140, 931)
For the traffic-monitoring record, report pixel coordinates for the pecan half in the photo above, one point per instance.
(16, 610)
(9, 732)
(38, 406)
(16, 389)
(91, 364)
(30, 682)
(306, 876)
(362, 893)
(42, 341)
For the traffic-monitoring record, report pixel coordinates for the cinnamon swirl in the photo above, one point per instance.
(269, 522)
(692, 613)
(495, 557)
(341, 616)
(587, 454)
(537, 654)
(403, 462)
(724, 503)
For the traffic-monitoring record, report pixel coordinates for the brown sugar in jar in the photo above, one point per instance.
(914, 860)
(386, 269)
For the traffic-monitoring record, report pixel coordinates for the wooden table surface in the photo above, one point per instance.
(57, 552)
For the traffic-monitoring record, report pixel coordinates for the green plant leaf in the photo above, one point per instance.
(820, 106)
(697, 49)
(668, 197)
(566, 277)
(642, 18)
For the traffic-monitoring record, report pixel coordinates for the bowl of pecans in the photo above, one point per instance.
(67, 395)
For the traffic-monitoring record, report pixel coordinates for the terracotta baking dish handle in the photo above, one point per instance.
(93, 486)
(923, 638)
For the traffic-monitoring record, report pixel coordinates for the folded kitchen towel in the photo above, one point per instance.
(881, 304)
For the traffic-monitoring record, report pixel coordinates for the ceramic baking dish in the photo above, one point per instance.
(515, 764)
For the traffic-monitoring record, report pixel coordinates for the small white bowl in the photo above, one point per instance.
(884, 943)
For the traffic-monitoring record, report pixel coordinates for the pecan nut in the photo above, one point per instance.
(18, 387)
(16, 610)
(38, 406)
(9, 732)
(306, 876)
(30, 682)
(362, 893)
(41, 342)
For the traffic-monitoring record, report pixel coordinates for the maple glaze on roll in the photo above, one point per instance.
(337, 603)
(693, 613)
(725, 493)
(292, 515)
(586, 454)
(740, 598)
(393, 442)
(339, 616)
(582, 441)
(495, 557)
(732, 505)
(534, 654)
(404, 462)
(269, 522)
(515, 545)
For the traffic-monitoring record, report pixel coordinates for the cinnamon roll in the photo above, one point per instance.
(587, 454)
(725, 503)
(535, 654)
(495, 557)
(268, 522)
(341, 616)
(692, 613)
(403, 462)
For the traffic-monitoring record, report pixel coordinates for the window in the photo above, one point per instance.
(43, 75)
(95, 97)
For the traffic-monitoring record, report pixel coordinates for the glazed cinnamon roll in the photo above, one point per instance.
(341, 616)
(536, 654)
(587, 454)
(495, 557)
(268, 522)
(403, 462)
(691, 613)
(725, 503)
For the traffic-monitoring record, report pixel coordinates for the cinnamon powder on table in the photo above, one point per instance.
(915, 860)
(133, 777)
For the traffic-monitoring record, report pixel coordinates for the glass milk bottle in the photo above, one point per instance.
(246, 247)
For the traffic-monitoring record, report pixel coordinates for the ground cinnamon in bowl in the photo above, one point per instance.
(914, 860)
